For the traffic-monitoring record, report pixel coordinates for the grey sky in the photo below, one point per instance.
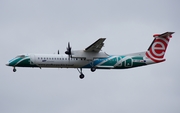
(42, 26)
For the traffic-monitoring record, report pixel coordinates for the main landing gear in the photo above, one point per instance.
(81, 76)
(93, 69)
(14, 69)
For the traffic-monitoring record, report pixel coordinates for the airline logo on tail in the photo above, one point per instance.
(158, 47)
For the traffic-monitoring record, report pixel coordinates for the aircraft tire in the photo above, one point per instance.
(14, 70)
(93, 69)
(81, 76)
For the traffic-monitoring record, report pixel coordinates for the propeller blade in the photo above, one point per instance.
(68, 52)
(68, 45)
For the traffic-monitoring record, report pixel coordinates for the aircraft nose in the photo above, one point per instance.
(7, 64)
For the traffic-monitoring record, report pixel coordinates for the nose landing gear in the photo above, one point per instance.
(14, 69)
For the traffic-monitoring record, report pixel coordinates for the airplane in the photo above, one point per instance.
(94, 58)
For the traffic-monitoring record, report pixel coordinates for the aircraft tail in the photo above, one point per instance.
(157, 49)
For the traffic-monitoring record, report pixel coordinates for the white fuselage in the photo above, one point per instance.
(56, 60)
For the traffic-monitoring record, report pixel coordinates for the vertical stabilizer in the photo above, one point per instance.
(158, 47)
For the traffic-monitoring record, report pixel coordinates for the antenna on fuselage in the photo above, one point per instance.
(58, 52)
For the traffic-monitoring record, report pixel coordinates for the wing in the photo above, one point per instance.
(96, 46)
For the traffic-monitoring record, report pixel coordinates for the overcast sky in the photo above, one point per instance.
(44, 26)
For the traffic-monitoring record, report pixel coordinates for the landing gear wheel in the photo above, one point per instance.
(93, 69)
(14, 69)
(81, 76)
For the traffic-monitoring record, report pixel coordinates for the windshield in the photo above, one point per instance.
(21, 56)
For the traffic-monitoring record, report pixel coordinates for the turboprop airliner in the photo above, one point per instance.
(93, 58)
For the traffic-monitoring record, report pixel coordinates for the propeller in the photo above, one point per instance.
(68, 52)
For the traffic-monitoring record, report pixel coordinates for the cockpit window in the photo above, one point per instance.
(21, 56)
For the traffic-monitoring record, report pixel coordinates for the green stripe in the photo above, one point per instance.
(22, 62)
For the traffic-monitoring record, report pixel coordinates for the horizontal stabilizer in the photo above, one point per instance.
(164, 35)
